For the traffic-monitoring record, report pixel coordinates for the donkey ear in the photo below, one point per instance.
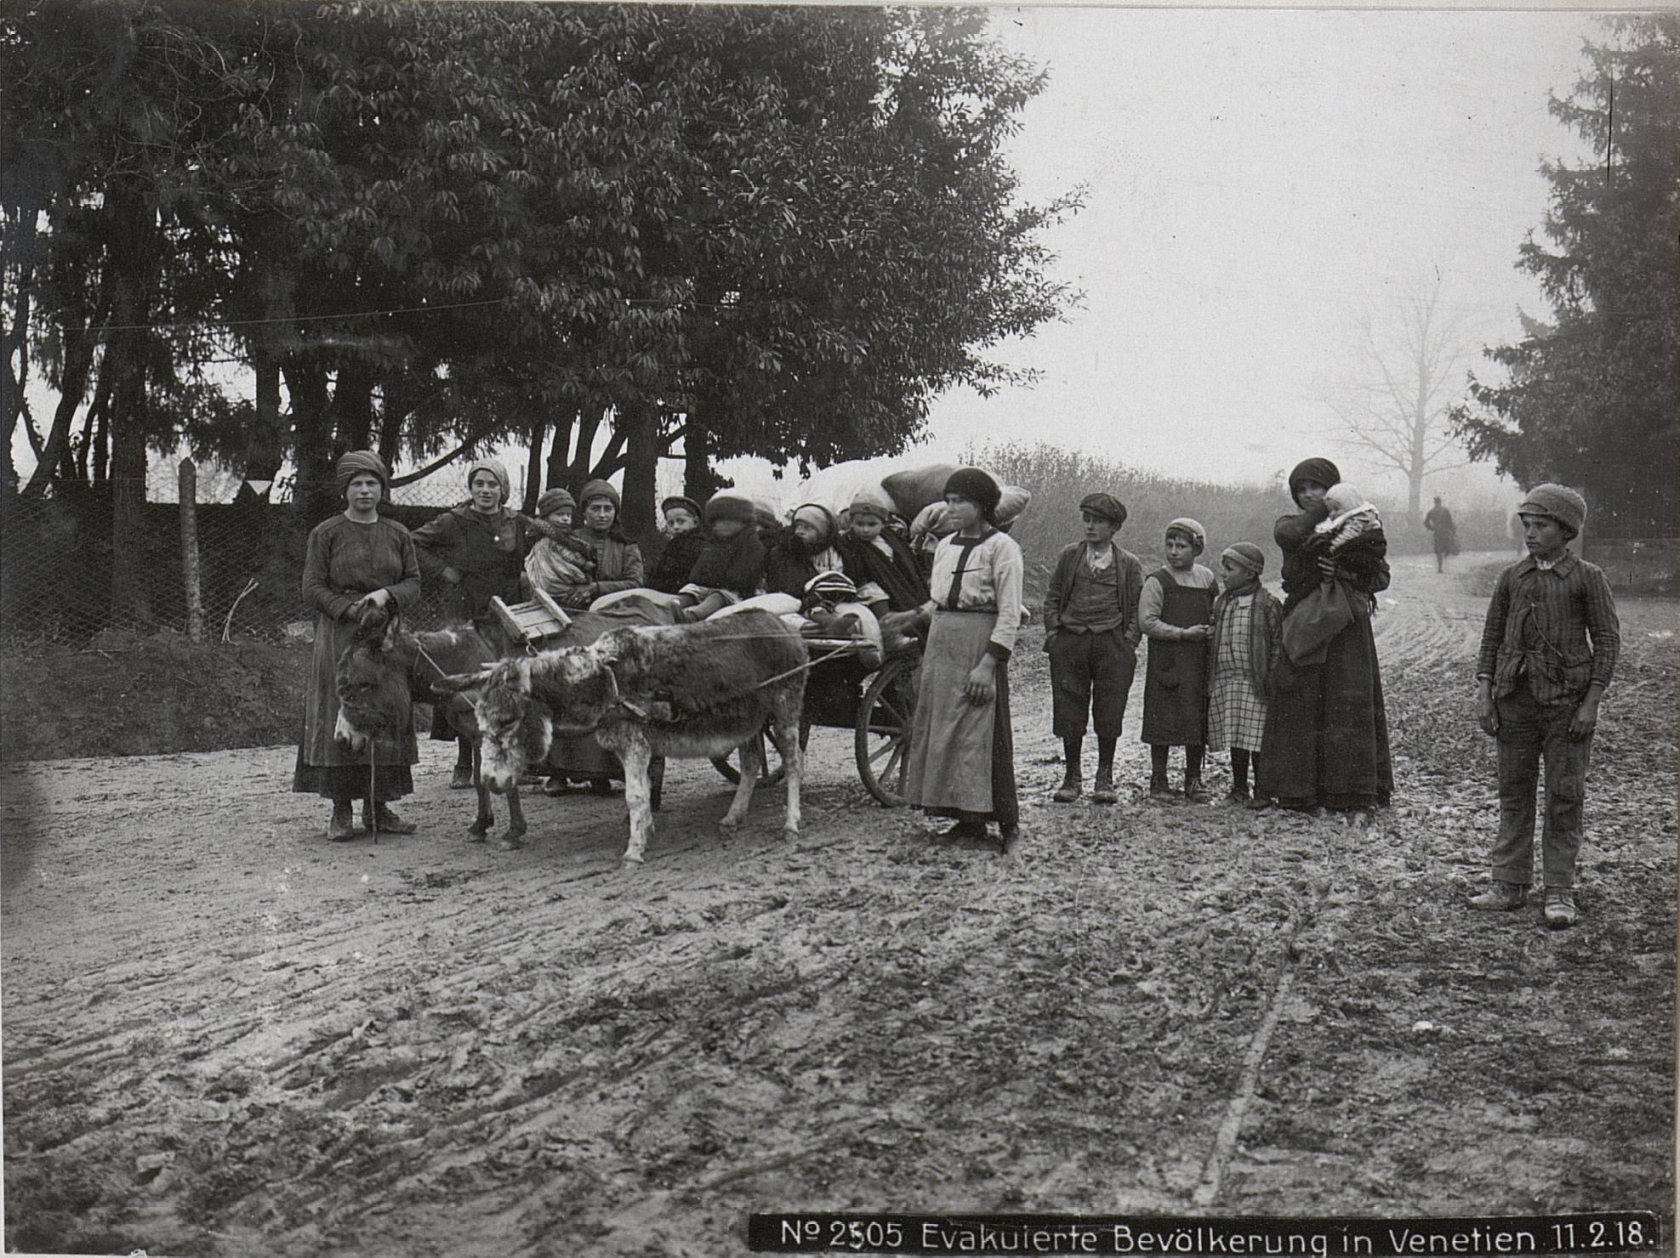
(456, 683)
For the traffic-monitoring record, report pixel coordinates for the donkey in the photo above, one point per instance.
(386, 667)
(683, 690)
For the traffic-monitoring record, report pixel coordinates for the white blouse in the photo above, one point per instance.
(992, 580)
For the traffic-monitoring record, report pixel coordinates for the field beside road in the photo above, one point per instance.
(224, 1036)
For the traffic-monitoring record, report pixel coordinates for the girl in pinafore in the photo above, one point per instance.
(1247, 643)
(961, 758)
(1175, 612)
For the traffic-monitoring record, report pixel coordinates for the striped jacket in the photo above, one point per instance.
(1557, 626)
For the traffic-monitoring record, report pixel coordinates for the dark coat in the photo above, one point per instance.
(736, 565)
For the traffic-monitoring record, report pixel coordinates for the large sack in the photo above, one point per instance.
(1014, 501)
(914, 488)
(1318, 618)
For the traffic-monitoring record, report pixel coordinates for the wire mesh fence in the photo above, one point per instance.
(57, 557)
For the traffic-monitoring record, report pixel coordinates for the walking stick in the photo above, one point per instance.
(373, 804)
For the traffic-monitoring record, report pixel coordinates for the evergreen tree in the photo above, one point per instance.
(1590, 398)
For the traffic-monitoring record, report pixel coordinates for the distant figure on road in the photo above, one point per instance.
(1440, 524)
(1549, 648)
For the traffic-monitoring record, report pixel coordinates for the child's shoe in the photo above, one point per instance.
(1501, 897)
(1560, 912)
(1069, 790)
(1104, 792)
(1158, 788)
(1194, 791)
(1238, 794)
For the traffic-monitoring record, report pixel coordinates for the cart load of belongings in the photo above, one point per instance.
(910, 490)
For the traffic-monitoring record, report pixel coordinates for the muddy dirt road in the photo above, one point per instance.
(224, 1036)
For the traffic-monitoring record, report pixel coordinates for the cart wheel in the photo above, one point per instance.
(766, 777)
(883, 730)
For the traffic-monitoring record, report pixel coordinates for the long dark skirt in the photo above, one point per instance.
(1326, 740)
(350, 781)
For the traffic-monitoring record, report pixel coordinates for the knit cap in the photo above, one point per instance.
(1559, 502)
(871, 502)
(1247, 556)
(1191, 529)
(977, 487)
(729, 507)
(600, 489)
(553, 500)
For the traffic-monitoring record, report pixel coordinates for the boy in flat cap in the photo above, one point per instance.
(1549, 648)
(1091, 634)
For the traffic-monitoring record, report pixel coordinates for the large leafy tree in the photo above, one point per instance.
(1591, 396)
(618, 230)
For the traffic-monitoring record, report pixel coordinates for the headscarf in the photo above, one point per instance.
(977, 487)
(1252, 560)
(553, 499)
(821, 518)
(687, 504)
(495, 469)
(1107, 506)
(1191, 529)
(1559, 502)
(1322, 471)
(600, 489)
(355, 463)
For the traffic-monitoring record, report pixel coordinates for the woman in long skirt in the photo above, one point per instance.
(355, 559)
(1326, 739)
(961, 761)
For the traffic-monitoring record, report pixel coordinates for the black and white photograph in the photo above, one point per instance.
(669, 631)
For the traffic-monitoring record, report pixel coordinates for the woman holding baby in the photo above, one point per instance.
(1326, 738)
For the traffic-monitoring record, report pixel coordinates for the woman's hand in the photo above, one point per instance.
(979, 689)
(1327, 568)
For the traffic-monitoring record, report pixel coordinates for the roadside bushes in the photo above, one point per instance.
(1059, 478)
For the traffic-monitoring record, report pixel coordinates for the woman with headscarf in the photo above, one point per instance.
(618, 561)
(477, 550)
(355, 560)
(1326, 737)
(961, 761)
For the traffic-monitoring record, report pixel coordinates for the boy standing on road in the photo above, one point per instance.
(1548, 651)
(1091, 634)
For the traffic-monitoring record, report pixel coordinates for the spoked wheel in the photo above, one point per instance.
(883, 730)
(767, 776)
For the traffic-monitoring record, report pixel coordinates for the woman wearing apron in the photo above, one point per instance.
(961, 757)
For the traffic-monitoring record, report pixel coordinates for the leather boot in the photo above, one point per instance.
(1193, 788)
(1158, 788)
(1072, 785)
(1104, 792)
(389, 822)
(342, 827)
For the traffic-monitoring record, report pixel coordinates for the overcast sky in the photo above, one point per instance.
(1259, 181)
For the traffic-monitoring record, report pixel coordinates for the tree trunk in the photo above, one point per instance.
(352, 407)
(589, 423)
(534, 465)
(134, 262)
(641, 472)
(700, 482)
(557, 468)
(314, 495)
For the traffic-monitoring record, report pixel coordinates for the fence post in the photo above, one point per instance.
(189, 550)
